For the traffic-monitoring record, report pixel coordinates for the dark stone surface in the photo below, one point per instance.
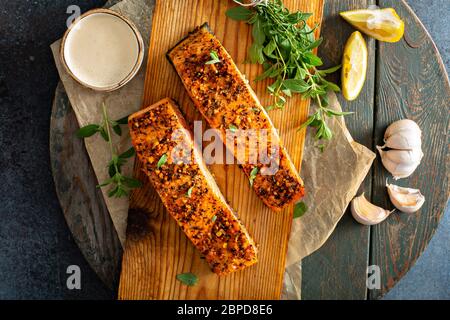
(35, 244)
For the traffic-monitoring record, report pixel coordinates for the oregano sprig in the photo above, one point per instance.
(283, 43)
(121, 184)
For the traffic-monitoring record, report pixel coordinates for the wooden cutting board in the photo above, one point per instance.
(156, 249)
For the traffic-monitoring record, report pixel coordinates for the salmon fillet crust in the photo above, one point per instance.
(222, 95)
(166, 150)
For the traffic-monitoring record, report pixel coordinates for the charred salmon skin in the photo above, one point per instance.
(166, 150)
(222, 95)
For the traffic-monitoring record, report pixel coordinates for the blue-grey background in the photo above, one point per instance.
(35, 244)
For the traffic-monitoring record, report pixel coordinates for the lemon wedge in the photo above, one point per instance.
(381, 24)
(354, 66)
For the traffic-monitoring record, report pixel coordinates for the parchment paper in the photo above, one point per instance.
(336, 173)
(87, 106)
(331, 178)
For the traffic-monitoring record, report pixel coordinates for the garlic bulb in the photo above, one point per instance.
(403, 137)
(402, 156)
(405, 199)
(367, 213)
(404, 140)
(400, 163)
(402, 125)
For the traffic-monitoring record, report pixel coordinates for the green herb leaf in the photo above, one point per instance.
(189, 192)
(269, 48)
(307, 122)
(127, 154)
(321, 147)
(327, 134)
(162, 161)
(258, 33)
(296, 17)
(117, 129)
(256, 53)
(315, 44)
(253, 175)
(214, 58)
(113, 192)
(332, 86)
(287, 92)
(331, 70)
(337, 113)
(123, 120)
(300, 74)
(264, 75)
(87, 131)
(232, 128)
(105, 183)
(296, 85)
(132, 182)
(188, 279)
(312, 59)
(274, 86)
(214, 218)
(104, 134)
(300, 209)
(239, 13)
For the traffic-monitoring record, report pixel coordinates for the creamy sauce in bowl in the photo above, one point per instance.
(102, 51)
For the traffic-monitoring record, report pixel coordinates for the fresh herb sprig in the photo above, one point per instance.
(120, 184)
(91, 129)
(283, 43)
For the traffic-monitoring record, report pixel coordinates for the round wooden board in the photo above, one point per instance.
(92, 228)
(81, 201)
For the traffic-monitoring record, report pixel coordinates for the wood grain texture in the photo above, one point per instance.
(81, 202)
(343, 259)
(412, 83)
(156, 249)
(422, 92)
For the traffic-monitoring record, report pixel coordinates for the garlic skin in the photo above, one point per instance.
(402, 156)
(367, 213)
(403, 137)
(404, 140)
(398, 165)
(401, 125)
(407, 200)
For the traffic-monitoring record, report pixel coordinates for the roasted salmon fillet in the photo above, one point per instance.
(166, 150)
(222, 95)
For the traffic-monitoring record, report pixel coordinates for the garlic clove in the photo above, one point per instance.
(405, 199)
(400, 125)
(367, 213)
(398, 170)
(404, 156)
(404, 139)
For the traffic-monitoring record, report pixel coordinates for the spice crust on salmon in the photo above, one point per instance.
(166, 150)
(223, 96)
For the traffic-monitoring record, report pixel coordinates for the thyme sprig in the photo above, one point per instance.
(283, 43)
(121, 184)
